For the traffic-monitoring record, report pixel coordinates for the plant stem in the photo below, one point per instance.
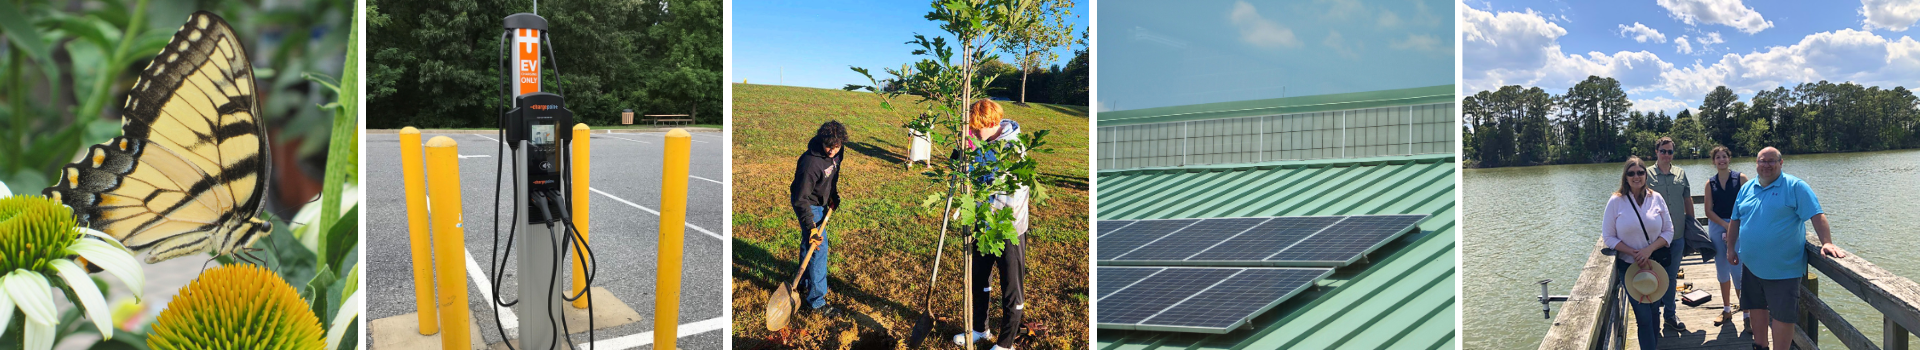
(102, 84)
(342, 144)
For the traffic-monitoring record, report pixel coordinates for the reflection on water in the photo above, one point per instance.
(1526, 224)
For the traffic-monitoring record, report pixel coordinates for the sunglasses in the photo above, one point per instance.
(1666, 151)
(1637, 173)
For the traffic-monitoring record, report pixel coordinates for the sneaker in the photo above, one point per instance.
(1724, 315)
(978, 337)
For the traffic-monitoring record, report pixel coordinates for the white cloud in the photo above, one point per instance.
(1671, 106)
(1418, 42)
(1641, 33)
(1711, 38)
(1505, 48)
(1730, 13)
(1339, 44)
(1388, 19)
(1846, 55)
(1258, 30)
(1342, 9)
(1895, 15)
(1680, 45)
(1522, 48)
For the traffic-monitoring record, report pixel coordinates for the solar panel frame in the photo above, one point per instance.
(1126, 316)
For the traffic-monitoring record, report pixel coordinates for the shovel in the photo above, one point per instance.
(781, 304)
(925, 324)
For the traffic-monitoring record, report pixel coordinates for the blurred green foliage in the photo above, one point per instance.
(436, 63)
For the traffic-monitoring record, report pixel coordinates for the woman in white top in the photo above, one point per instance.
(1637, 225)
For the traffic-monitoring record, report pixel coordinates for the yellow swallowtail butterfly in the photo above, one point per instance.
(188, 173)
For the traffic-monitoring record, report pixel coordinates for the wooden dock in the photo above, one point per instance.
(1701, 333)
(1594, 317)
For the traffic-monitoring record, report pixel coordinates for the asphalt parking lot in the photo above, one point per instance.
(623, 230)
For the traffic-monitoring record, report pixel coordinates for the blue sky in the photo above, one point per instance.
(812, 43)
(1668, 54)
(1170, 53)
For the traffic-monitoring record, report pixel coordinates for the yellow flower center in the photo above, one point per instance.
(33, 231)
(237, 307)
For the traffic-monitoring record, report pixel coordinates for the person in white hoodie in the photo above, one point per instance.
(985, 122)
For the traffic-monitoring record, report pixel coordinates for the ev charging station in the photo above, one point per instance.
(537, 131)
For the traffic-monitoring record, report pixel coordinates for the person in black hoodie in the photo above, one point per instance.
(815, 196)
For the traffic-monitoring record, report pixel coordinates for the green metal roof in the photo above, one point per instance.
(1402, 299)
(1285, 105)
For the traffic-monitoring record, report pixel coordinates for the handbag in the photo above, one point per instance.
(1664, 255)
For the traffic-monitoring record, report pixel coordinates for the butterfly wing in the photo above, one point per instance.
(188, 174)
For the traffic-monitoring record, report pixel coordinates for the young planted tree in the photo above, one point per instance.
(1044, 26)
(946, 90)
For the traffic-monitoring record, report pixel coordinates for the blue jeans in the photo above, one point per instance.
(1724, 271)
(813, 281)
(1646, 322)
(1679, 251)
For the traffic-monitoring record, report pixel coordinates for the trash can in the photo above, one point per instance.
(626, 117)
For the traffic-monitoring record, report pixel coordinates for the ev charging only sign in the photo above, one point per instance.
(526, 43)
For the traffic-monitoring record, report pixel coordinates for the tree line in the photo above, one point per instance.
(1593, 122)
(436, 63)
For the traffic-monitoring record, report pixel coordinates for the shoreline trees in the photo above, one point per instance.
(1593, 122)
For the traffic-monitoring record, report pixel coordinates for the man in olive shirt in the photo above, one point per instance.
(1671, 182)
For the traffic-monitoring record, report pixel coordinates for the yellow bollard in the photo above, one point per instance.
(673, 225)
(443, 172)
(417, 231)
(582, 168)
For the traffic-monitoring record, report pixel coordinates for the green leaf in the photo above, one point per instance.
(343, 237)
(319, 292)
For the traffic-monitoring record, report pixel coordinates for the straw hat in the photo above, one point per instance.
(1647, 282)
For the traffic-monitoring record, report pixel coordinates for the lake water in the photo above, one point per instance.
(1526, 224)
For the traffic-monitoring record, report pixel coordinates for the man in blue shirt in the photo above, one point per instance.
(1769, 224)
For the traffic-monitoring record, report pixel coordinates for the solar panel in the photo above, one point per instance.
(1331, 241)
(1125, 239)
(1270, 237)
(1199, 299)
(1181, 244)
(1344, 242)
(1108, 226)
(1116, 278)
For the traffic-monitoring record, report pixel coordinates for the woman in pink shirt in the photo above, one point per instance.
(1638, 226)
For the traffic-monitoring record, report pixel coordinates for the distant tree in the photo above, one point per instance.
(1042, 26)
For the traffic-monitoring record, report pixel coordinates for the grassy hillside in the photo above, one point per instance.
(884, 240)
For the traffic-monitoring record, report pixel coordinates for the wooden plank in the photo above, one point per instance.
(1837, 326)
(1583, 315)
(1801, 341)
(1898, 298)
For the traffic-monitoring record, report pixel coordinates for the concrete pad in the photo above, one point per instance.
(608, 312)
(403, 332)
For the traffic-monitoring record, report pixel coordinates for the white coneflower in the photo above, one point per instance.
(39, 241)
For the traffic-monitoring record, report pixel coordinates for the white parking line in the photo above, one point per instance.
(644, 338)
(628, 139)
(656, 213)
(708, 180)
(479, 277)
